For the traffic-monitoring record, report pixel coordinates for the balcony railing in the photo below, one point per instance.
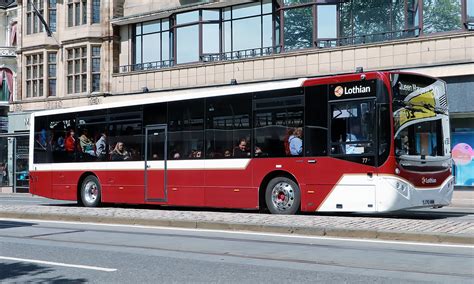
(241, 54)
(363, 39)
(7, 51)
(145, 66)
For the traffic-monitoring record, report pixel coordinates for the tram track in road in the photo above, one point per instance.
(48, 237)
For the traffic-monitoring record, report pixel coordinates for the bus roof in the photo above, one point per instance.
(203, 92)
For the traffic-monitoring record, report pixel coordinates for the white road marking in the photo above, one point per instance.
(249, 233)
(59, 264)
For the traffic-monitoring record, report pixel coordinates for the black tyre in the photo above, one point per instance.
(91, 192)
(282, 196)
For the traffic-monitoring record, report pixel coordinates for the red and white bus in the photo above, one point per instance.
(362, 142)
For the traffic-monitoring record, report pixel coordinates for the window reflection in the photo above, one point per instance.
(210, 38)
(188, 17)
(441, 16)
(298, 28)
(210, 15)
(251, 28)
(470, 9)
(152, 44)
(327, 21)
(187, 44)
(246, 10)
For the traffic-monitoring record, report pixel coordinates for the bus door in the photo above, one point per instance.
(352, 147)
(155, 163)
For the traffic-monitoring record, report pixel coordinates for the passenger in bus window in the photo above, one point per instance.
(119, 153)
(241, 150)
(101, 147)
(295, 142)
(227, 154)
(86, 143)
(60, 143)
(70, 142)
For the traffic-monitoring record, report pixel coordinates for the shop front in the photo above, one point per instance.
(461, 107)
(14, 157)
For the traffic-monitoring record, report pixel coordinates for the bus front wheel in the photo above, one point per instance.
(282, 196)
(90, 192)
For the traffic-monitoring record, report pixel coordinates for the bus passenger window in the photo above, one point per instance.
(228, 127)
(186, 129)
(125, 127)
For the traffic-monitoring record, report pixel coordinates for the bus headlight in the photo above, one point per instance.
(402, 187)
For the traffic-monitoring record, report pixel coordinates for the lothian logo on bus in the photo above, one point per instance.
(428, 180)
(339, 90)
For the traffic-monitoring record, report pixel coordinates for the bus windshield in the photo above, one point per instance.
(420, 117)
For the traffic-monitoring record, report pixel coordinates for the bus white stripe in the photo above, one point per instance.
(221, 164)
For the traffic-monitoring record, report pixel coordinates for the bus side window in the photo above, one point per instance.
(125, 127)
(272, 121)
(42, 141)
(227, 123)
(63, 144)
(186, 129)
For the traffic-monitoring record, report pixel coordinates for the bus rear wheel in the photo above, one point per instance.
(91, 192)
(282, 196)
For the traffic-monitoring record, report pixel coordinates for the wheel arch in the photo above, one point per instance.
(263, 185)
(79, 184)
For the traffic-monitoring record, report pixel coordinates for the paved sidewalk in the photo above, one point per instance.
(402, 227)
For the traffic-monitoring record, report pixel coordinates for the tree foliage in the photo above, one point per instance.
(441, 15)
(298, 28)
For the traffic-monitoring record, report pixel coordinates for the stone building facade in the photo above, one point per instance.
(108, 51)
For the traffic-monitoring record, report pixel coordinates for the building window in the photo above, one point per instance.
(326, 25)
(52, 15)
(298, 27)
(51, 74)
(254, 20)
(95, 11)
(470, 10)
(34, 75)
(77, 12)
(441, 16)
(152, 44)
(33, 23)
(77, 70)
(187, 37)
(6, 84)
(95, 61)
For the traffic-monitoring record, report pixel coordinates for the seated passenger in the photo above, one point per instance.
(119, 153)
(295, 142)
(241, 150)
(86, 143)
(70, 142)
